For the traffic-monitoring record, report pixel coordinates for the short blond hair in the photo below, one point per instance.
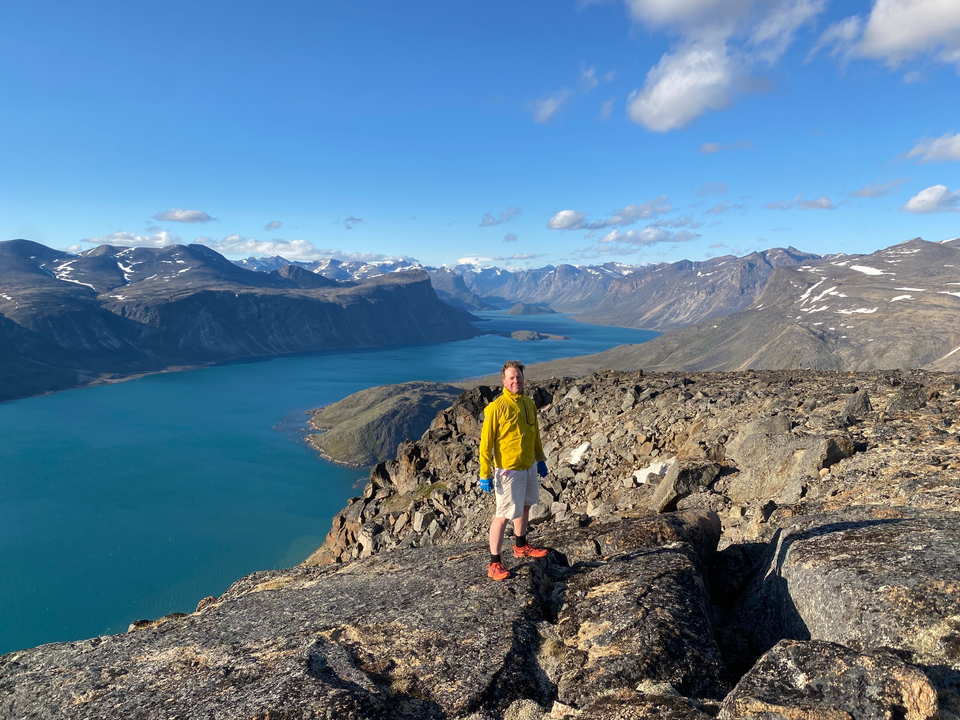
(512, 364)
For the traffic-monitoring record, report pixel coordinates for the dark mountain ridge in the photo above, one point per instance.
(68, 320)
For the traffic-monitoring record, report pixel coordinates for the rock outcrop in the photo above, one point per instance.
(366, 427)
(743, 545)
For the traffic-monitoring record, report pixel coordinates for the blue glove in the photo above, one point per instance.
(542, 469)
(486, 484)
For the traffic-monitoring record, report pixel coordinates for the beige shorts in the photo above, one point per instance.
(515, 489)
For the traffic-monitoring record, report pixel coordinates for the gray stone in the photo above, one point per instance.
(776, 467)
(858, 404)
(422, 519)
(822, 681)
(682, 479)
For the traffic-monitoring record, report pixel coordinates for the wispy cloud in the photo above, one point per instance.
(183, 216)
(573, 220)
(941, 149)
(510, 237)
(783, 204)
(935, 199)
(724, 207)
(606, 110)
(275, 225)
(712, 148)
(684, 221)
(348, 222)
(550, 104)
(526, 256)
(161, 238)
(875, 190)
(647, 236)
(820, 203)
(712, 188)
(511, 213)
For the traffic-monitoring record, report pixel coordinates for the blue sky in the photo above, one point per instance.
(521, 133)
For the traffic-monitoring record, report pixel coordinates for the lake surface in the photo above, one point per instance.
(131, 501)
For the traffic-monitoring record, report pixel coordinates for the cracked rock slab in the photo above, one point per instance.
(825, 681)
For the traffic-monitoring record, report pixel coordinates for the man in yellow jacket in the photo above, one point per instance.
(509, 447)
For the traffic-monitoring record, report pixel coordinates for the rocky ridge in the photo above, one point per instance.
(896, 308)
(68, 320)
(788, 461)
(756, 544)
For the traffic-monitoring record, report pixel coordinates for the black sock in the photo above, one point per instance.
(494, 558)
(520, 541)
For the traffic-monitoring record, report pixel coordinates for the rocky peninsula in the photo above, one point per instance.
(758, 544)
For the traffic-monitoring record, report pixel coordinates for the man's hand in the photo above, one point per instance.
(486, 484)
(542, 469)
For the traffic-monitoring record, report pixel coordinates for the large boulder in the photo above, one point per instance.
(867, 579)
(778, 467)
(684, 478)
(820, 680)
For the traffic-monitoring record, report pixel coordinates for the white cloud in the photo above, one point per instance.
(183, 216)
(942, 149)
(126, 239)
(566, 220)
(475, 260)
(937, 198)
(573, 220)
(606, 110)
(899, 29)
(506, 216)
(682, 87)
(721, 41)
(275, 225)
(912, 77)
(647, 236)
(526, 256)
(875, 190)
(239, 246)
(896, 31)
(510, 237)
(820, 203)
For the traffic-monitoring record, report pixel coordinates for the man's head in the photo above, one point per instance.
(512, 375)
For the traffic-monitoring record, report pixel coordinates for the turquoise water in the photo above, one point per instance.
(130, 501)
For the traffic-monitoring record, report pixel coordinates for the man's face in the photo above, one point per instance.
(513, 380)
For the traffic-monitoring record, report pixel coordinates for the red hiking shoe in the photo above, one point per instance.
(528, 551)
(497, 571)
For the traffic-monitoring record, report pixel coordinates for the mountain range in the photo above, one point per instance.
(71, 319)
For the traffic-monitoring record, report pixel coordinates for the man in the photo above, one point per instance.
(509, 447)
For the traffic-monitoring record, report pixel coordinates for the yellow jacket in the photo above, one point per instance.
(510, 436)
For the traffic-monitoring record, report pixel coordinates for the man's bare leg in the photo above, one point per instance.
(496, 534)
(520, 523)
